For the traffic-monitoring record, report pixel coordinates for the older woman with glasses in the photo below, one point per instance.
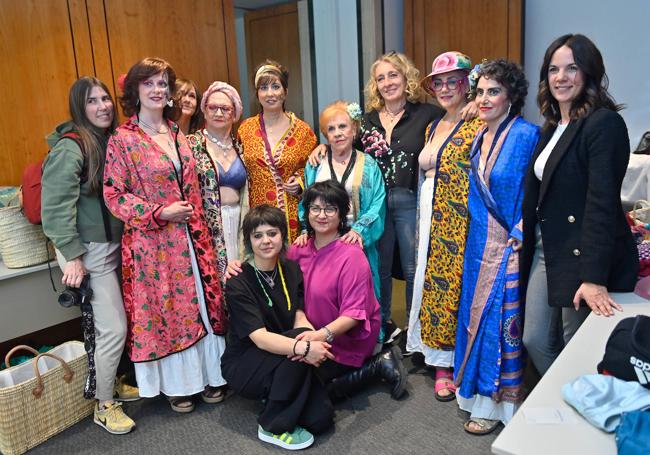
(221, 170)
(359, 175)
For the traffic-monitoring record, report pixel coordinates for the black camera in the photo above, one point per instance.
(77, 296)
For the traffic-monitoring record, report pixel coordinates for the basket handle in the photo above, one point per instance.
(67, 376)
(20, 347)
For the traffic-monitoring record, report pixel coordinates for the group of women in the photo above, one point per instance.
(208, 216)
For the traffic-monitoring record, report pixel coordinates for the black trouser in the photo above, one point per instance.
(294, 395)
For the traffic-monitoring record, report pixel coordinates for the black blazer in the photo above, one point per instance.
(578, 207)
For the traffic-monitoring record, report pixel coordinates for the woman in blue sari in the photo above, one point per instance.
(489, 358)
(359, 174)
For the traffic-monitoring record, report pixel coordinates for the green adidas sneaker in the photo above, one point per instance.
(298, 439)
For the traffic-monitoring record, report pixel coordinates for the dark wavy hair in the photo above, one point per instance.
(511, 76)
(145, 68)
(93, 140)
(330, 192)
(182, 87)
(264, 214)
(594, 94)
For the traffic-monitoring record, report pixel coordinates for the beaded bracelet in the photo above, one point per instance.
(307, 348)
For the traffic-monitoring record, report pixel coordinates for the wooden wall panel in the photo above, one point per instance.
(192, 37)
(479, 28)
(37, 70)
(273, 33)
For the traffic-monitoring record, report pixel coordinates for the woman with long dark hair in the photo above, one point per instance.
(171, 287)
(86, 236)
(577, 244)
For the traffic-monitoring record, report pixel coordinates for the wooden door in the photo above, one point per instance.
(479, 28)
(273, 33)
(196, 38)
(38, 50)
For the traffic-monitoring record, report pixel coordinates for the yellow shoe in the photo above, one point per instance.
(125, 392)
(113, 419)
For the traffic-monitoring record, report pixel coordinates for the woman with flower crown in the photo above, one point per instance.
(359, 174)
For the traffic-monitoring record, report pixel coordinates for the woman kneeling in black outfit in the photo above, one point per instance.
(264, 319)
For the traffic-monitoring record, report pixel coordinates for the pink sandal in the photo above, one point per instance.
(444, 381)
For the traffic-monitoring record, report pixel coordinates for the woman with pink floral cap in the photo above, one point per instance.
(442, 220)
(221, 171)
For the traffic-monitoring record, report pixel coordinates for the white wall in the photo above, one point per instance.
(620, 31)
(336, 51)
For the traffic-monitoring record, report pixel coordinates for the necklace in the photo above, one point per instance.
(223, 146)
(269, 302)
(393, 115)
(161, 130)
(348, 168)
(269, 277)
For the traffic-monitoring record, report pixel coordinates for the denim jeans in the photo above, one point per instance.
(399, 227)
(546, 329)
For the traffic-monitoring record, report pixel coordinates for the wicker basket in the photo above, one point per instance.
(43, 397)
(22, 244)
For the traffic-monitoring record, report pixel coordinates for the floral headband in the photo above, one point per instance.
(474, 75)
(354, 111)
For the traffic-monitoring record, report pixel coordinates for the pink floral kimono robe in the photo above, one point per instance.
(160, 294)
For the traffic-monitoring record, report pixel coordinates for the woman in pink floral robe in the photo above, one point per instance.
(172, 293)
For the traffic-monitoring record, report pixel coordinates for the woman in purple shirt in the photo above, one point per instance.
(339, 297)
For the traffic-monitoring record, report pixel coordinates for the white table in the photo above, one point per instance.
(580, 357)
(27, 301)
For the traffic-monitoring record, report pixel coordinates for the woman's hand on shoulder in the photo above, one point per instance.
(352, 237)
(301, 240)
(470, 111)
(597, 298)
(233, 269)
(317, 155)
(73, 273)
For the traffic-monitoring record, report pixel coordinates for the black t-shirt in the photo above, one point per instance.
(398, 160)
(249, 309)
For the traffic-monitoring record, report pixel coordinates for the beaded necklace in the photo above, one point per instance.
(269, 302)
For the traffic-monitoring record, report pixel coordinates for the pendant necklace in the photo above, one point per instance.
(259, 273)
(161, 130)
(393, 115)
(223, 146)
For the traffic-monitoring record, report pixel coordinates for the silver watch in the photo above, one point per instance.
(330, 336)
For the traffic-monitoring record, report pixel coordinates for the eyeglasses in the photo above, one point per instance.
(315, 210)
(451, 84)
(225, 110)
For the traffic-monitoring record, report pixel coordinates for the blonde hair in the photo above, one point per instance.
(414, 92)
(330, 111)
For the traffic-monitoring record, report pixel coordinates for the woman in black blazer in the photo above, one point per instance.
(577, 244)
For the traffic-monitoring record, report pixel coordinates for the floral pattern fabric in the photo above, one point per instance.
(209, 183)
(266, 174)
(160, 293)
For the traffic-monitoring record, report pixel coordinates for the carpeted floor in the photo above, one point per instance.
(368, 423)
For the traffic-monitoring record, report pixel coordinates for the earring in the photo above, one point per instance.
(170, 102)
(137, 102)
(509, 107)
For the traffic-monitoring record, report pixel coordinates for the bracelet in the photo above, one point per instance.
(307, 348)
(294, 347)
(329, 337)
